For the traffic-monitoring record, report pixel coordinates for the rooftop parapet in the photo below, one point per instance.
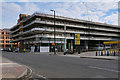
(65, 18)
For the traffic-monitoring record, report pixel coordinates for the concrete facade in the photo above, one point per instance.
(38, 29)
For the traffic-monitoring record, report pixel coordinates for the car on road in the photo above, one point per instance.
(99, 47)
(68, 51)
(1, 49)
(108, 46)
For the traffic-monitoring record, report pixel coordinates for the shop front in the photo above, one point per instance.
(45, 45)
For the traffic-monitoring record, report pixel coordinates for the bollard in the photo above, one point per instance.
(107, 53)
(116, 50)
(96, 53)
(114, 53)
(101, 53)
(110, 51)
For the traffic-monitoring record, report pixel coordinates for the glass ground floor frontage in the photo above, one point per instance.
(40, 44)
(61, 45)
(37, 46)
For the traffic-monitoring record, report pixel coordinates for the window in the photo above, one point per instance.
(2, 32)
(38, 19)
(7, 32)
(2, 41)
(8, 45)
(2, 45)
(7, 37)
(7, 41)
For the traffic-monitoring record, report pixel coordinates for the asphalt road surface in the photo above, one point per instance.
(54, 66)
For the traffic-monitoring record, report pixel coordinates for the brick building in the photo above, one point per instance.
(5, 39)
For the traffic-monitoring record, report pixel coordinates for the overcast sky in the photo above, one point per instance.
(97, 11)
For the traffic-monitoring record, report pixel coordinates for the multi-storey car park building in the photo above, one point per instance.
(38, 29)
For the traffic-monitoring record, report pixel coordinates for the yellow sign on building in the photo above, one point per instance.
(53, 43)
(77, 39)
(111, 42)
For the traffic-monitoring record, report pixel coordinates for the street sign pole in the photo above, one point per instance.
(77, 42)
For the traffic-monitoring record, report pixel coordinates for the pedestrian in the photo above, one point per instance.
(79, 50)
(56, 50)
(35, 50)
(24, 50)
(66, 51)
(18, 49)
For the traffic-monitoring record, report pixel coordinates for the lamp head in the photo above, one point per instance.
(52, 10)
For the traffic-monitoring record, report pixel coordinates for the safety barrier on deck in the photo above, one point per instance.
(108, 52)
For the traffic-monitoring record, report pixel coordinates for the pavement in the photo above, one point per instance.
(101, 57)
(90, 54)
(11, 69)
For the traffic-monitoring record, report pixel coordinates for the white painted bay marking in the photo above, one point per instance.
(103, 69)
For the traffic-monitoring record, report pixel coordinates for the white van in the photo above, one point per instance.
(99, 47)
(107, 46)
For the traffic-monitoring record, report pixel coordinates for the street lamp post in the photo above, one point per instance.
(89, 36)
(65, 38)
(54, 31)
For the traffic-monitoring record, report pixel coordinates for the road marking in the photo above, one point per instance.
(103, 69)
(7, 63)
(41, 76)
(29, 75)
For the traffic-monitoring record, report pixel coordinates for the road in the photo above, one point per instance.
(54, 66)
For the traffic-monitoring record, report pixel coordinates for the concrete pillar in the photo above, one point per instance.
(49, 44)
(71, 44)
(21, 46)
(17, 44)
(65, 38)
(5, 45)
(11, 45)
(86, 45)
(40, 42)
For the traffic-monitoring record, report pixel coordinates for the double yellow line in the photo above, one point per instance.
(29, 75)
